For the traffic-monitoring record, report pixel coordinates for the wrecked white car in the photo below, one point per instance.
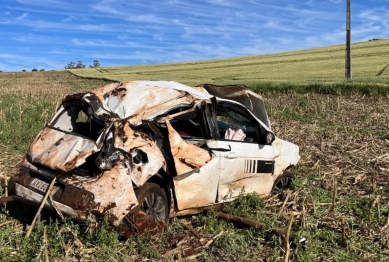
(144, 151)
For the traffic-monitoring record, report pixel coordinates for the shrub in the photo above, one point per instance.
(42, 70)
(24, 70)
(34, 70)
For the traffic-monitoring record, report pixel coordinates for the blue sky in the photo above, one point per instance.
(51, 33)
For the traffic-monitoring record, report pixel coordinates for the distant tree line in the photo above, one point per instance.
(70, 65)
(79, 64)
(34, 70)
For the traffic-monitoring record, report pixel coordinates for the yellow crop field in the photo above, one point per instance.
(326, 64)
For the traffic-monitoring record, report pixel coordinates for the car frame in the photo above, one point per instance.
(141, 152)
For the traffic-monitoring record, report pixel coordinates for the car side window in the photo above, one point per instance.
(235, 124)
(187, 128)
(187, 123)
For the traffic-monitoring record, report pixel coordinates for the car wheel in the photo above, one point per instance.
(282, 183)
(152, 213)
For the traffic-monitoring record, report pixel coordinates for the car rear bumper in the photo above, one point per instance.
(36, 198)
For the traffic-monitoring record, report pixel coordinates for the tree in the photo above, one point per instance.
(95, 64)
(70, 65)
(80, 65)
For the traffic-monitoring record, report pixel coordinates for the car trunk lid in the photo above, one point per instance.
(59, 150)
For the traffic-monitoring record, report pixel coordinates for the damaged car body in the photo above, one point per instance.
(144, 151)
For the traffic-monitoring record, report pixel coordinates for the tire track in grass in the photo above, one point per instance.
(382, 70)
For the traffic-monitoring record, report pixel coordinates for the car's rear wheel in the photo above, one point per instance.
(152, 213)
(282, 183)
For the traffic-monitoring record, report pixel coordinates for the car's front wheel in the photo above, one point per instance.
(152, 213)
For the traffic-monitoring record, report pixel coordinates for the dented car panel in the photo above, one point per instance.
(287, 155)
(247, 167)
(58, 150)
(150, 159)
(187, 157)
(152, 97)
(199, 187)
(113, 193)
(138, 149)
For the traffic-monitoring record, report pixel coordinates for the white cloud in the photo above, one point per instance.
(91, 27)
(107, 6)
(16, 63)
(68, 19)
(147, 18)
(123, 32)
(24, 15)
(221, 2)
(41, 2)
(365, 28)
(376, 15)
(98, 43)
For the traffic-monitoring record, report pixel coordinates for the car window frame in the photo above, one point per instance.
(237, 108)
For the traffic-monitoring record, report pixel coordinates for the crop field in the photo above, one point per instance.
(327, 64)
(338, 202)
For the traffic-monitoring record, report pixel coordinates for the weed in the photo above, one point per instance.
(210, 223)
(242, 245)
(245, 205)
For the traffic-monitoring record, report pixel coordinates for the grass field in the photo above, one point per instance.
(369, 60)
(339, 200)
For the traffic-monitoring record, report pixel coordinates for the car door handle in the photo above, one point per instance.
(231, 155)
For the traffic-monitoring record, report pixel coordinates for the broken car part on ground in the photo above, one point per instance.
(143, 151)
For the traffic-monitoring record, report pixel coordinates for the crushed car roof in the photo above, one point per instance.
(130, 98)
(142, 100)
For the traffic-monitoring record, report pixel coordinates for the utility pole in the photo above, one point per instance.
(348, 40)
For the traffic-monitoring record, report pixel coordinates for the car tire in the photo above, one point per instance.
(282, 183)
(152, 214)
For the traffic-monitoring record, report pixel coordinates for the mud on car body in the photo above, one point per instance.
(143, 151)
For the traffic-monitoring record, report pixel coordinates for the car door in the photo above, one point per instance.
(196, 164)
(248, 165)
